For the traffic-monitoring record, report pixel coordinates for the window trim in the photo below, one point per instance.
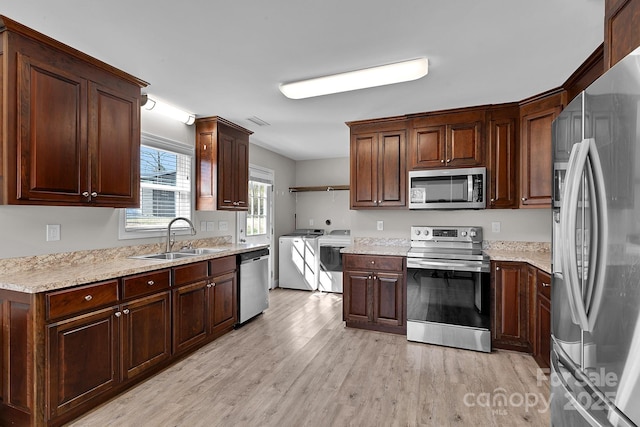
(161, 143)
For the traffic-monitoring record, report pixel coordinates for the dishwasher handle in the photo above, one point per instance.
(253, 256)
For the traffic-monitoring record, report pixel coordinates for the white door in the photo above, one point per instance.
(256, 225)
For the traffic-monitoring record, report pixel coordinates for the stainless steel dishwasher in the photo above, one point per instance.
(253, 284)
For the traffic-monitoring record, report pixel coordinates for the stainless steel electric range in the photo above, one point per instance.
(448, 288)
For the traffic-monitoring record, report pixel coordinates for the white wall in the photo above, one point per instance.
(515, 224)
(22, 228)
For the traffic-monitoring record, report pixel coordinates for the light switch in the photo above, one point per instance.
(203, 225)
(53, 232)
(380, 225)
(211, 226)
(223, 225)
(495, 227)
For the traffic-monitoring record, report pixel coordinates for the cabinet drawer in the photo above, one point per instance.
(143, 284)
(372, 262)
(544, 284)
(76, 300)
(190, 273)
(220, 266)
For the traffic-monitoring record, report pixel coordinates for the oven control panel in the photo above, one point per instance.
(448, 234)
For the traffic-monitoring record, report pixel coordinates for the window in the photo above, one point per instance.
(258, 208)
(165, 188)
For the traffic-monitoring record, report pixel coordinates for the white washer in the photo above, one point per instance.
(330, 269)
(298, 259)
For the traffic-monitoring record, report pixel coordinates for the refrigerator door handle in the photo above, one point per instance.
(558, 359)
(597, 272)
(568, 213)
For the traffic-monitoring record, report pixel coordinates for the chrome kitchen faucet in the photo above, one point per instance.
(171, 241)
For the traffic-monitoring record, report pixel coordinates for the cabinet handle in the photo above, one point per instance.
(448, 160)
(373, 262)
(209, 285)
(493, 200)
(227, 201)
(88, 298)
(545, 285)
(241, 203)
(85, 194)
(442, 161)
(151, 283)
(497, 268)
(117, 314)
(125, 311)
(94, 194)
(236, 203)
(524, 199)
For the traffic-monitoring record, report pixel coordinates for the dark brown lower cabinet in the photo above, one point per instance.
(83, 359)
(510, 323)
(375, 298)
(206, 306)
(542, 351)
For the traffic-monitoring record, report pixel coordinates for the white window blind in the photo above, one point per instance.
(165, 189)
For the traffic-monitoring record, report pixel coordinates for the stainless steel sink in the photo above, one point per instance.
(202, 251)
(165, 256)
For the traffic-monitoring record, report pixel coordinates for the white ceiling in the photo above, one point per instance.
(227, 58)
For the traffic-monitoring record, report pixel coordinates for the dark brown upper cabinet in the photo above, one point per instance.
(447, 139)
(71, 126)
(621, 35)
(222, 165)
(502, 161)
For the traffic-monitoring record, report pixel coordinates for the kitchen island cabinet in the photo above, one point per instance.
(378, 164)
(71, 125)
(222, 165)
(374, 292)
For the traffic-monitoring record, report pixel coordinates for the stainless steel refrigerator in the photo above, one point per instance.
(595, 356)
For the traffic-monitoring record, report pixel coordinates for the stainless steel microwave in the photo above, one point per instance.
(463, 188)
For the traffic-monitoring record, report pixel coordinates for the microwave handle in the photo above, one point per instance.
(469, 188)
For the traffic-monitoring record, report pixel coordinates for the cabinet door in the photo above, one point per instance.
(223, 308)
(241, 171)
(392, 169)
(364, 170)
(388, 297)
(146, 333)
(464, 145)
(503, 191)
(535, 160)
(622, 19)
(226, 194)
(532, 290)
(190, 315)
(114, 147)
(82, 359)
(357, 296)
(510, 310)
(206, 170)
(543, 320)
(52, 142)
(427, 147)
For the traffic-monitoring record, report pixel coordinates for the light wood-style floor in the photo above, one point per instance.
(297, 365)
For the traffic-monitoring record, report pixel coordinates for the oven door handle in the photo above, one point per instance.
(446, 265)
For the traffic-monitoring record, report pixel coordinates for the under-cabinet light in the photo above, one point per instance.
(168, 110)
(352, 80)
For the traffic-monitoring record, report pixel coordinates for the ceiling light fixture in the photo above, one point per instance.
(352, 80)
(167, 110)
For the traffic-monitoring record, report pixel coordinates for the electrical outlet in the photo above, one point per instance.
(311, 222)
(203, 225)
(53, 232)
(495, 227)
(380, 225)
(211, 226)
(223, 225)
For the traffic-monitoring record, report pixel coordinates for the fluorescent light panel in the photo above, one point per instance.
(169, 111)
(352, 80)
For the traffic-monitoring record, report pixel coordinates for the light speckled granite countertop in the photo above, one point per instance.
(535, 253)
(58, 271)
